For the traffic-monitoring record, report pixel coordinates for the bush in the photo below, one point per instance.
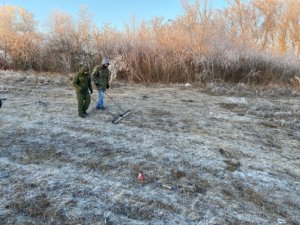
(235, 45)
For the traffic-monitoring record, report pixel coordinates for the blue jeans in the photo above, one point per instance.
(100, 103)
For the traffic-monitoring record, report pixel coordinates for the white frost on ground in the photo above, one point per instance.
(208, 158)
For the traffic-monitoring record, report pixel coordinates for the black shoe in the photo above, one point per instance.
(82, 116)
(85, 113)
(98, 108)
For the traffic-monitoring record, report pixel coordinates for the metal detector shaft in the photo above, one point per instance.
(120, 116)
(117, 118)
(114, 102)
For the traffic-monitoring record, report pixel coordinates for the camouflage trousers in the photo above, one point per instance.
(84, 100)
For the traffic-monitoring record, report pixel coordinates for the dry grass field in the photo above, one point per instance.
(214, 154)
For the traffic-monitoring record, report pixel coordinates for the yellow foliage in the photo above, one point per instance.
(155, 49)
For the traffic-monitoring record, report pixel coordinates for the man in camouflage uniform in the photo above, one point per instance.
(82, 83)
(101, 76)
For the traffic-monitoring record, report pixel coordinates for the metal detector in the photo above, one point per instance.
(121, 115)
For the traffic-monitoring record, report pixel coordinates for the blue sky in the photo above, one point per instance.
(114, 12)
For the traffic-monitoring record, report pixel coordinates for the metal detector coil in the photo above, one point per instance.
(120, 116)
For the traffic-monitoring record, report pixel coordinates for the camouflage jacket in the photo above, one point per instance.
(101, 77)
(82, 82)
